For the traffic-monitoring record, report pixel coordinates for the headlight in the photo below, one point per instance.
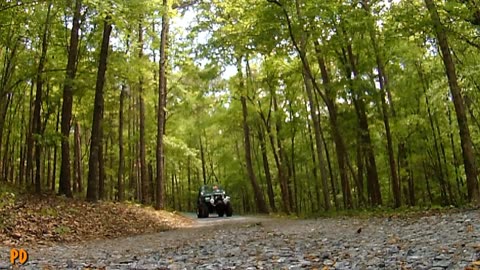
(227, 199)
(212, 201)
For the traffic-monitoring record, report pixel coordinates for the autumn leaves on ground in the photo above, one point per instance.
(44, 220)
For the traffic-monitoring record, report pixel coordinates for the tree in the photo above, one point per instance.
(65, 169)
(161, 114)
(96, 137)
(259, 199)
(459, 104)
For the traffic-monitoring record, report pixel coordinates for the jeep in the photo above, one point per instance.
(212, 199)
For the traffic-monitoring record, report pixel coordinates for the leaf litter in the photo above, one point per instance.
(46, 220)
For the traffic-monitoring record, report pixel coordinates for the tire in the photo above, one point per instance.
(220, 210)
(229, 210)
(202, 211)
(205, 211)
(199, 213)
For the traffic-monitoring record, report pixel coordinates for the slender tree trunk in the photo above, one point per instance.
(162, 103)
(96, 137)
(366, 145)
(458, 179)
(386, 121)
(101, 164)
(7, 74)
(318, 143)
(278, 161)
(173, 193)
(131, 147)
(266, 167)
(121, 155)
(143, 164)
(296, 200)
(37, 121)
(309, 79)
(189, 181)
(21, 166)
(385, 94)
(65, 170)
(151, 181)
(259, 199)
(451, 197)
(427, 182)
(30, 141)
(78, 158)
(283, 155)
(360, 173)
(438, 163)
(54, 174)
(4, 171)
(459, 104)
(411, 187)
(342, 158)
(202, 157)
(314, 166)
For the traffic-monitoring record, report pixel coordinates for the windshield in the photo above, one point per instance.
(211, 189)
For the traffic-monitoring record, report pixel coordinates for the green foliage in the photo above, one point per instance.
(203, 108)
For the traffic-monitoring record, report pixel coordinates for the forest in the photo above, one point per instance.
(296, 107)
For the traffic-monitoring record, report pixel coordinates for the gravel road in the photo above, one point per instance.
(446, 241)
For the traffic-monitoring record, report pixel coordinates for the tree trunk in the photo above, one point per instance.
(278, 161)
(296, 201)
(386, 121)
(21, 166)
(318, 142)
(162, 103)
(121, 155)
(458, 179)
(145, 198)
(309, 79)
(282, 155)
(101, 163)
(266, 167)
(172, 190)
(37, 122)
(366, 145)
(30, 141)
(342, 158)
(190, 206)
(360, 173)
(7, 74)
(259, 199)
(458, 102)
(65, 173)
(78, 158)
(314, 166)
(96, 137)
(451, 197)
(54, 174)
(202, 157)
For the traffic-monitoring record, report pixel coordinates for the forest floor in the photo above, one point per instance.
(30, 221)
(441, 240)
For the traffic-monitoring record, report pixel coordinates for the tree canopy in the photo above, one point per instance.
(292, 106)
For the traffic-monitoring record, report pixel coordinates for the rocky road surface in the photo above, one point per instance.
(444, 241)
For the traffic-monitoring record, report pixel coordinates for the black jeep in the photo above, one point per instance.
(212, 199)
